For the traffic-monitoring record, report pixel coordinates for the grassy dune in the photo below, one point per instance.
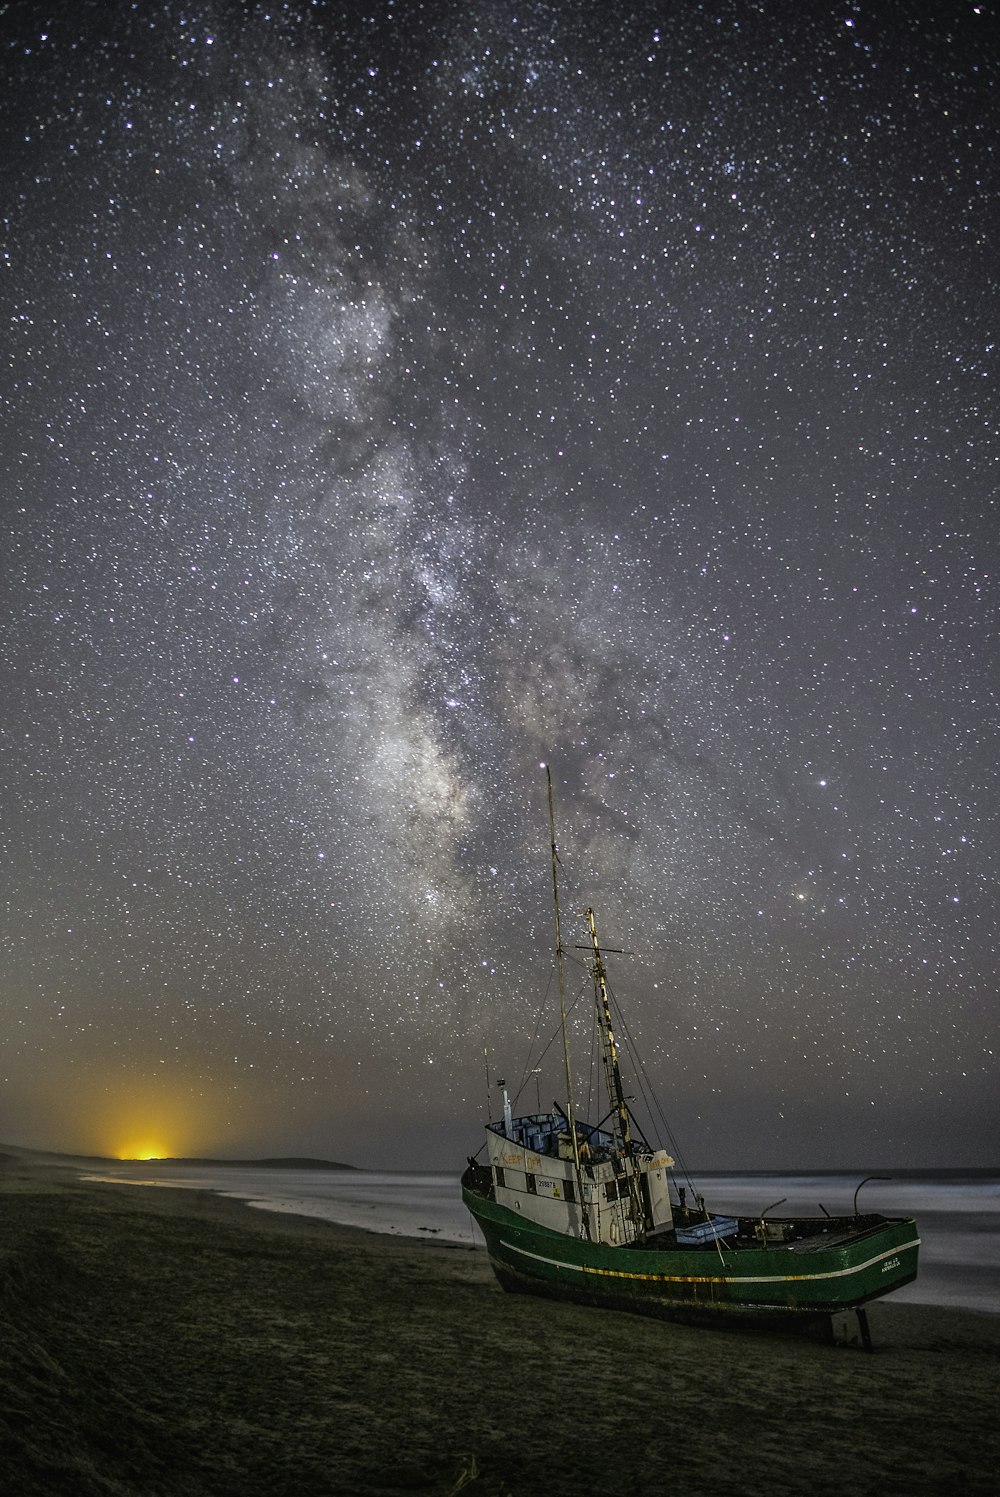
(167, 1343)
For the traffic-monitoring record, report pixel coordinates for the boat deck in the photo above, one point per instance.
(797, 1234)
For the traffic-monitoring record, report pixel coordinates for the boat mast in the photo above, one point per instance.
(616, 1094)
(561, 969)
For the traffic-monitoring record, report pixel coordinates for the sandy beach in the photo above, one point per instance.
(176, 1342)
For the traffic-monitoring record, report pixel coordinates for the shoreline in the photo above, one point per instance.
(165, 1342)
(947, 1281)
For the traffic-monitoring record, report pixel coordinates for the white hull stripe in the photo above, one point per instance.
(667, 1278)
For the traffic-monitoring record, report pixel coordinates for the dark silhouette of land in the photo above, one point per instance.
(292, 1162)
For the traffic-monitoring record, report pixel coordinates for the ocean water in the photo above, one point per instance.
(405, 1205)
(958, 1215)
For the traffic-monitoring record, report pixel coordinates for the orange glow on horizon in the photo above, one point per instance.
(163, 1119)
(145, 1123)
(144, 1152)
(177, 1114)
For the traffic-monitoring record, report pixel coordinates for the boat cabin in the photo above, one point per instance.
(534, 1168)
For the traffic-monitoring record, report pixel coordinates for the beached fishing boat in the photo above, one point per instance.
(594, 1213)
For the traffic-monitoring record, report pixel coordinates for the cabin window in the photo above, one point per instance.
(569, 1193)
(617, 1190)
(530, 1182)
(498, 1176)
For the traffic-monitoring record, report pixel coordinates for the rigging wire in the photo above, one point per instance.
(534, 1040)
(650, 1098)
(594, 1042)
(553, 1037)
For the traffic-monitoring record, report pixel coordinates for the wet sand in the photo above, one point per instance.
(176, 1342)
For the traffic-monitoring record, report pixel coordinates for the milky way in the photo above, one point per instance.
(398, 397)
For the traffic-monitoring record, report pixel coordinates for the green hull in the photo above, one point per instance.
(710, 1283)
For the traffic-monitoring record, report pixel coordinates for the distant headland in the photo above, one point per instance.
(292, 1162)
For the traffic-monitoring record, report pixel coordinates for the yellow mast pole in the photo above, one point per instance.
(560, 967)
(616, 1092)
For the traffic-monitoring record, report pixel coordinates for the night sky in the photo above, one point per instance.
(395, 397)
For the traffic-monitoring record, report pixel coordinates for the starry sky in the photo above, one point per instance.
(398, 396)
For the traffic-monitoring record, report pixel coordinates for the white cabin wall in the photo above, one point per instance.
(558, 1215)
(546, 1203)
(659, 1197)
